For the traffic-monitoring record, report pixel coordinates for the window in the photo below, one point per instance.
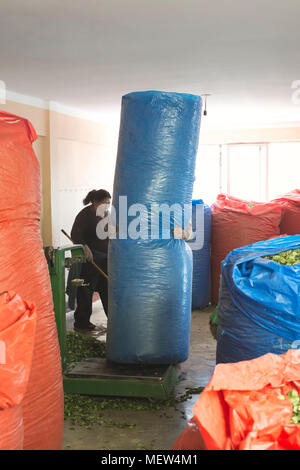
(257, 172)
(246, 171)
(284, 168)
(208, 177)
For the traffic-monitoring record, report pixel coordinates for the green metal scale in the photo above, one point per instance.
(97, 376)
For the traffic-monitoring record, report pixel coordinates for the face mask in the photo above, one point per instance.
(102, 210)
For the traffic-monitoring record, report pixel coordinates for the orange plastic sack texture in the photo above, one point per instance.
(23, 268)
(236, 223)
(190, 438)
(290, 202)
(241, 408)
(11, 428)
(17, 335)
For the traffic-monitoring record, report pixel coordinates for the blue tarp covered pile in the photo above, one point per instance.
(259, 307)
(201, 256)
(151, 277)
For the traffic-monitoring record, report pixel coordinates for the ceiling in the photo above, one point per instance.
(87, 54)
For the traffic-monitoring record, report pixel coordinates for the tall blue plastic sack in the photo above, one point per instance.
(259, 306)
(158, 142)
(150, 301)
(151, 277)
(201, 256)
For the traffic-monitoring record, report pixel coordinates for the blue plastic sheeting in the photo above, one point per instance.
(149, 301)
(259, 307)
(150, 285)
(158, 142)
(201, 257)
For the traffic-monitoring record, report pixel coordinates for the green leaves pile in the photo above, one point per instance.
(80, 346)
(290, 257)
(295, 398)
(87, 411)
(84, 410)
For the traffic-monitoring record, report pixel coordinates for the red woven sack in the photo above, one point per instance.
(23, 269)
(236, 223)
(17, 335)
(290, 203)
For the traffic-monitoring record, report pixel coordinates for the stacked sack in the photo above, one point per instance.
(151, 276)
(290, 203)
(258, 310)
(23, 269)
(201, 255)
(17, 335)
(236, 223)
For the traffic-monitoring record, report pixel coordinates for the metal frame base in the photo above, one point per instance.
(96, 376)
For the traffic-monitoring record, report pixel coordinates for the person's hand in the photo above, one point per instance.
(88, 253)
(112, 231)
(177, 232)
(188, 232)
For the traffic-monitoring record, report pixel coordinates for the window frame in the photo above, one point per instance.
(224, 163)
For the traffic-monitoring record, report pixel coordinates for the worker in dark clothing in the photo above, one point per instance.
(84, 232)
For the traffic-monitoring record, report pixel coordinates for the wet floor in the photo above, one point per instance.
(155, 429)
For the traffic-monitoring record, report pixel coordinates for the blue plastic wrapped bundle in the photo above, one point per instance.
(151, 276)
(201, 256)
(150, 301)
(259, 307)
(158, 142)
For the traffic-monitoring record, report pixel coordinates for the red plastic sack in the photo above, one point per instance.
(23, 268)
(236, 223)
(290, 202)
(11, 428)
(242, 407)
(17, 335)
(190, 438)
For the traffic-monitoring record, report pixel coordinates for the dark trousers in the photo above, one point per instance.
(97, 283)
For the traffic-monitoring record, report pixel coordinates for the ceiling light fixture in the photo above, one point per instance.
(205, 95)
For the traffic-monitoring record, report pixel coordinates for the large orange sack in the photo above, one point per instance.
(190, 438)
(23, 268)
(17, 334)
(236, 223)
(242, 407)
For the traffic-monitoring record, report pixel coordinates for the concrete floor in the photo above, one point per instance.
(153, 430)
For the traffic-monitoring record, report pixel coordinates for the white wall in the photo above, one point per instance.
(83, 156)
